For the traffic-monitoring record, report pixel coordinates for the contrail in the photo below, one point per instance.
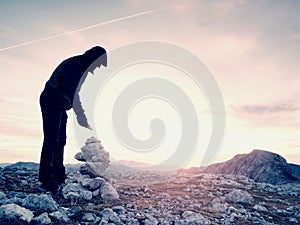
(79, 30)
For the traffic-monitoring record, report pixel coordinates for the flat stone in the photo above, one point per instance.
(93, 169)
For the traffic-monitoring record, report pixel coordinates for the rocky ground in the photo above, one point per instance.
(152, 197)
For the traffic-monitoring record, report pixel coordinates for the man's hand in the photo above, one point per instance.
(89, 127)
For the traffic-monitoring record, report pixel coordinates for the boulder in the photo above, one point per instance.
(239, 196)
(108, 192)
(40, 203)
(76, 191)
(14, 214)
(42, 219)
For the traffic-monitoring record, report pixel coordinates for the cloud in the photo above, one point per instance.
(267, 109)
(280, 115)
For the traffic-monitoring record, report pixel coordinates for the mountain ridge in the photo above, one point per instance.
(260, 165)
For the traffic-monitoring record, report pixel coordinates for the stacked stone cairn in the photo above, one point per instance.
(90, 182)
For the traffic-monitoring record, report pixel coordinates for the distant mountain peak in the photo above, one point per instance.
(133, 163)
(260, 165)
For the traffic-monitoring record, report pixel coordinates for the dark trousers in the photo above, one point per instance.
(54, 127)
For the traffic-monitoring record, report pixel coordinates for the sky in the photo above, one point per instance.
(251, 48)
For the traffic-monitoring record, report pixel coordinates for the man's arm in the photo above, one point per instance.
(79, 111)
(74, 78)
(77, 105)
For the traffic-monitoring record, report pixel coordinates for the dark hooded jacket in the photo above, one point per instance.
(66, 81)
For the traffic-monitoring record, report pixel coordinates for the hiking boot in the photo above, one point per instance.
(49, 186)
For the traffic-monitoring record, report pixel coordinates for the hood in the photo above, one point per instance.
(94, 53)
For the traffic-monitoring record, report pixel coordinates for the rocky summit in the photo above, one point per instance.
(140, 196)
(259, 165)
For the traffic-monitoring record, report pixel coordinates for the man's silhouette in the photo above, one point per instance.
(61, 94)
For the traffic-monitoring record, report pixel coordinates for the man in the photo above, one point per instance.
(61, 94)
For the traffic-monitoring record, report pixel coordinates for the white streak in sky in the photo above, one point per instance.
(79, 30)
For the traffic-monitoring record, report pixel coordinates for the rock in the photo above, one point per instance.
(93, 169)
(76, 191)
(89, 217)
(41, 219)
(72, 195)
(239, 196)
(79, 157)
(86, 194)
(15, 200)
(93, 153)
(40, 203)
(220, 207)
(2, 180)
(12, 213)
(108, 193)
(98, 180)
(96, 193)
(260, 208)
(295, 169)
(92, 184)
(116, 220)
(59, 216)
(150, 220)
(96, 158)
(84, 180)
(92, 140)
(107, 213)
(71, 187)
(2, 197)
(216, 204)
(120, 210)
(293, 220)
(259, 165)
(194, 218)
